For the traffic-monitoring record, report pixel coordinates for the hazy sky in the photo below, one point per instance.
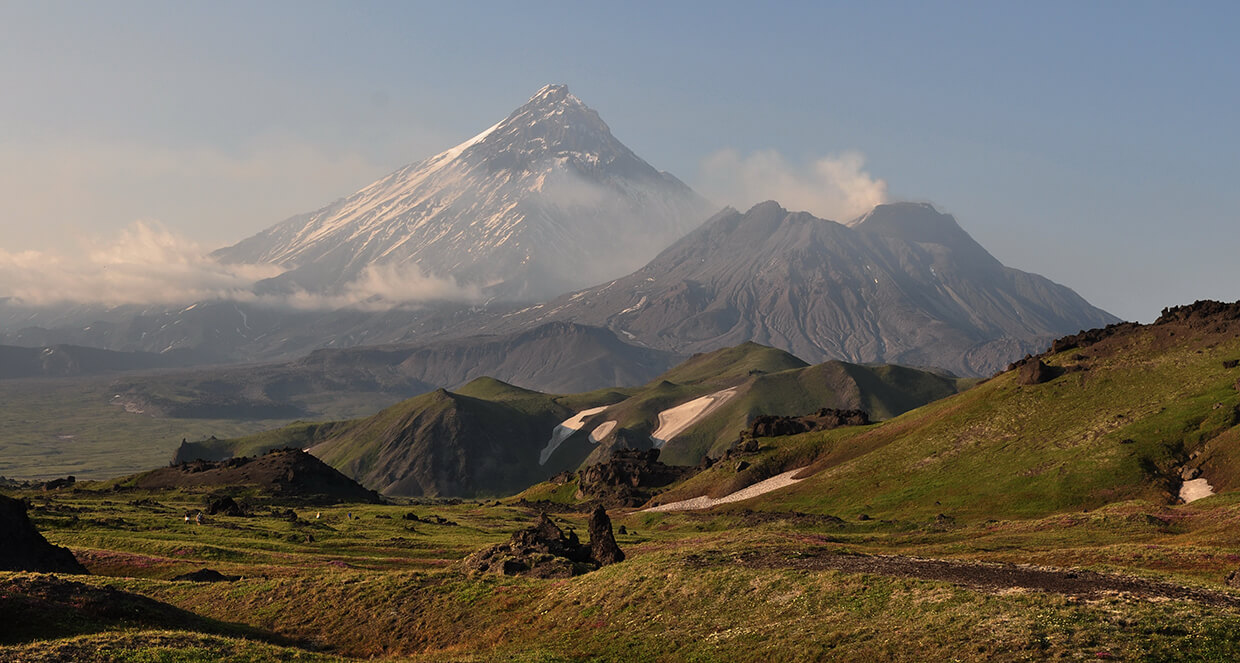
(1095, 143)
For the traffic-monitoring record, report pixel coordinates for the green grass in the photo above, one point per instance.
(374, 586)
(1117, 431)
(58, 427)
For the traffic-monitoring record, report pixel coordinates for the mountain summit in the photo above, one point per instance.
(902, 284)
(544, 201)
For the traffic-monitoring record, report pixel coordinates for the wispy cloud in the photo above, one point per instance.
(380, 287)
(835, 187)
(145, 264)
(149, 265)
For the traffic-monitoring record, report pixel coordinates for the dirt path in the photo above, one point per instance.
(979, 575)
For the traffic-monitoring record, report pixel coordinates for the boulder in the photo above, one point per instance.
(206, 575)
(224, 506)
(1036, 372)
(1233, 579)
(23, 548)
(603, 548)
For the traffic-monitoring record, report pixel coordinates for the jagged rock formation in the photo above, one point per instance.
(603, 547)
(23, 548)
(628, 477)
(766, 425)
(544, 551)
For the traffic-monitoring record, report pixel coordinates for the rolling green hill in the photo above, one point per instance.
(489, 437)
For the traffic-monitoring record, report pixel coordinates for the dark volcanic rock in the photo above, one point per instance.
(1233, 579)
(541, 551)
(23, 548)
(627, 477)
(224, 506)
(206, 575)
(603, 548)
(1086, 338)
(1200, 312)
(1037, 372)
(825, 419)
(544, 551)
(56, 484)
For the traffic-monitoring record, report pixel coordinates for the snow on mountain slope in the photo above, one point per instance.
(544, 201)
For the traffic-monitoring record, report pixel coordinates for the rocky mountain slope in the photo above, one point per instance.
(544, 201)
(903, 284)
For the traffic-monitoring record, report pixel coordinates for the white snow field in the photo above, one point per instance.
(1196, 489)
(774, 483)
(604, 429)
(674, 421)
(564, 429)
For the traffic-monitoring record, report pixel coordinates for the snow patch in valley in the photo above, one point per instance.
(604, 429)
(1196, 489)
(674, 421)
(774, 483)
(565, 429)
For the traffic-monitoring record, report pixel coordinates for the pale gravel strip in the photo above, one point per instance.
(774, 483)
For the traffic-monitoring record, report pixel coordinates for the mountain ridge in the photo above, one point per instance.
(543, 201)
(823, 290)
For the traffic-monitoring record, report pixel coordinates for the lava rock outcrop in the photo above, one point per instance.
(545, 551)
(766, 425)
(23, 548)
(628, 477)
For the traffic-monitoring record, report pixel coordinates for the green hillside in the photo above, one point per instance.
(486, 437)
(1126, 418)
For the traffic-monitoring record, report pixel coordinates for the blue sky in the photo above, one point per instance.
(1094, 143)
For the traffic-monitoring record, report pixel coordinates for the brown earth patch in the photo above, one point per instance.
(990, 577)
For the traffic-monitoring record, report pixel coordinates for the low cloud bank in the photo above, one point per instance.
(147, 264)
(835, 187)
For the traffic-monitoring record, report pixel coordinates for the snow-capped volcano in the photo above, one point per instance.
(545, 201)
